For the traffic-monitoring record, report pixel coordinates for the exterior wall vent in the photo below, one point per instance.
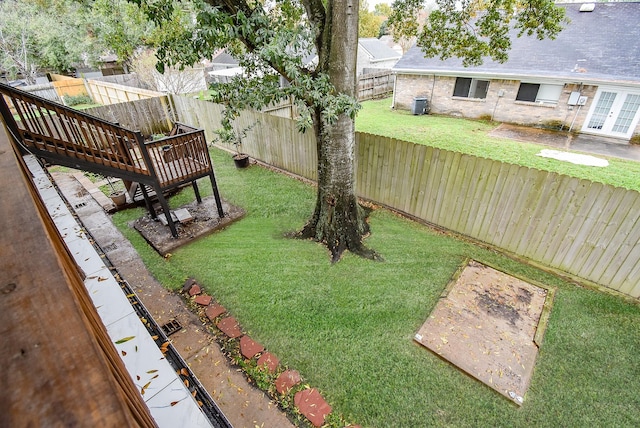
(587, 7)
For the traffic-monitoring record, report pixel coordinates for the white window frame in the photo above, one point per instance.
(472, 88)
(548, 94)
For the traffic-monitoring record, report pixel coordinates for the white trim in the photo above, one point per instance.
(576, 78)
(618, 90)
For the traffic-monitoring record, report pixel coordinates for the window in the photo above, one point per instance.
(539, 93)
(470, 88)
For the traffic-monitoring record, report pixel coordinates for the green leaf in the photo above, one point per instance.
(124, 339)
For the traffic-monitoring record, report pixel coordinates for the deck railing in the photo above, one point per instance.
(180, 157)
(47, 127)
(68, 137)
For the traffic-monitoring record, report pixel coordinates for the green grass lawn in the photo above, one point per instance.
(472, 137)
(348, 327)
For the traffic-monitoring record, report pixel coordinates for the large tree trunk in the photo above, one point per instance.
(338, 221)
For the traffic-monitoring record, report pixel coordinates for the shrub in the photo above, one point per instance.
(77, 100)
(553, 124)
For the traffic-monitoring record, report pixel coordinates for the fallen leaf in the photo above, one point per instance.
(173, 403)
(124, 339)
(184, 372)
(123, 353)
(152, 371)
(142, 391)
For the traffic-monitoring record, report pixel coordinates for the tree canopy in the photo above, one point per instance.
(312, 45)
(474, 30)
(370, 22)
(60, 35)
(36, 35)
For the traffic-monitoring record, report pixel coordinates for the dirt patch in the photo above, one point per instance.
(531, 134)
(486, 325)
(204, 219)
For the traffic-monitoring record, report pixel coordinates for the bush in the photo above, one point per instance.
(77, 100)
(635, 139)
(553, 125)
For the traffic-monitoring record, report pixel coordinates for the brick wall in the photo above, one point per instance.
(439, 91)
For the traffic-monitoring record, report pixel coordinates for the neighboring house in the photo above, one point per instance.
(375, 55)
(586, 80)
(222, 68)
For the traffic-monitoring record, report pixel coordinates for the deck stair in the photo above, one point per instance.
(71, 138)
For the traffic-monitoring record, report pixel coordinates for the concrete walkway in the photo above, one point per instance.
(242, 404)
(585, 143)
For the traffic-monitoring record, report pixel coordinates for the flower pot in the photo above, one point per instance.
(241, 160)
(119, 198)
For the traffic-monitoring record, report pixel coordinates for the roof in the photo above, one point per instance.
(377, 49)
(602, 45)
(224, 58)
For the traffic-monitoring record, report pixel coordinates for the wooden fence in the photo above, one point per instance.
(47, 91)
(375, 85)
(106, 93)
(588, 230)
(149, 116)
(68, 86)
(370, 86)
(272, 139)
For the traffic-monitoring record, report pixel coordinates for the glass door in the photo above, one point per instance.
(614, 113)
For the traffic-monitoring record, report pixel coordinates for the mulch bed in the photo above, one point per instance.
(204, 220)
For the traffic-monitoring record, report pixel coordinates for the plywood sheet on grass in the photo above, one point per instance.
(485, 325)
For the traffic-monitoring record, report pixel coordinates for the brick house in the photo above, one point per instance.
(587, 79)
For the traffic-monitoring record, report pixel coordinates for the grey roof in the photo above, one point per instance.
(224, 58)
(377, 49)
(607, 39)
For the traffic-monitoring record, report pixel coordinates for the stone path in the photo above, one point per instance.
(242, 404)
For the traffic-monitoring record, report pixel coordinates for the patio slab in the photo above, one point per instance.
(487, 325)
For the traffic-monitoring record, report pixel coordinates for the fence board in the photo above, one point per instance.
(628, 235)
(431, 185)
(417, 176)
(601, 197)
(372, 165)
(557, 189)
(583, 223)
(576, 221)
(464, 186)
(537, 205)
(612, 222)
(630, 285)
(482, 199)
(565, 217)
(519, 212)
(446, 198)
(497, 201)
(149, 116)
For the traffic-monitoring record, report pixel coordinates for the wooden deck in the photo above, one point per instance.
(67, 137)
